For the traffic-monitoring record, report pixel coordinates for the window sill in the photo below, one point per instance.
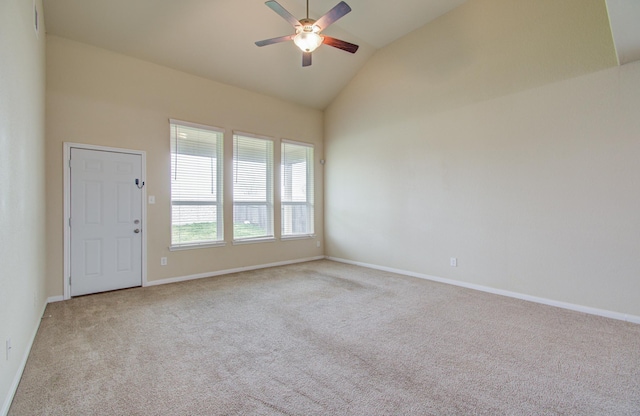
(254, 240)
(297, 237)
(195, 246)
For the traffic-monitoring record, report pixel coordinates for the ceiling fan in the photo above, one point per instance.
(307, 36)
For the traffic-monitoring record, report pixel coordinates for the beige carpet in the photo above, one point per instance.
(325, 338)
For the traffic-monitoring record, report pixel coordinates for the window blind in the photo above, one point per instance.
(252, 187)
(196, 184)
(296, 182)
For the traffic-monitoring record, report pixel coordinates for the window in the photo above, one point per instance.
(252, 187)
(297, 189)
(196, 184)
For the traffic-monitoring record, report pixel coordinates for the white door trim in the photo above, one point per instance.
(66, 155)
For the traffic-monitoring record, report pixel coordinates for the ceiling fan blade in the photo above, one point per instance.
(306, 59)
(340, 44)
(332, 15)
(274, 40)
(276, 7)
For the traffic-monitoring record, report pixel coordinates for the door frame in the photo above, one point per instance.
(66, 155)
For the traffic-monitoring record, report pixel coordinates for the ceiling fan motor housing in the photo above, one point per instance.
(308, 25)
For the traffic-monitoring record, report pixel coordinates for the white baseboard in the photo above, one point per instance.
(55, 299)
(228, 271)
(564, 305)
(16, 379)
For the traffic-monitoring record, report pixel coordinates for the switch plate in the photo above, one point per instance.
(163, 261)
(454, 262)
(318, 244)
(152, 199)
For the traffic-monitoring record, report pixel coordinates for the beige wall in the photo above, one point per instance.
(22, 203)
(481, 137)
(98, 97)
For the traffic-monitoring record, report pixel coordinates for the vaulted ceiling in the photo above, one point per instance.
(215, 38)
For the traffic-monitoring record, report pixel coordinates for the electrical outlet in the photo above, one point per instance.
(163, 261)
(8, 348)
(454, 262)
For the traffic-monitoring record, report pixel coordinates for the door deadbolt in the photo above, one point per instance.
(137, 230)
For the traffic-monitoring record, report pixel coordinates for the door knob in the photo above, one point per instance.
(137, 230)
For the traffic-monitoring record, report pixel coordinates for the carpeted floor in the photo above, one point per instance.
(325, 338)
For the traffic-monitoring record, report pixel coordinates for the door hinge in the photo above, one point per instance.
(69, 162)
(69, 280)
(69, 221)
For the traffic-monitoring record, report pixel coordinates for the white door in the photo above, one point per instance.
(106, 221)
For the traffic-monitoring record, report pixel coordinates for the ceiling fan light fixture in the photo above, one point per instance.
(307, 36)
(307, 40)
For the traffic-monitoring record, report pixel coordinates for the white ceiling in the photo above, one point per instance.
(215, 38)
(624, 16)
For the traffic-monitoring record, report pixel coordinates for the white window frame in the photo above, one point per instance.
(268, 203)
(310, 188)
(219, 204)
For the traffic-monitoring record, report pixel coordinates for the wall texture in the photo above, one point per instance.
(101, 98)
(22, 187)
(502, 134)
